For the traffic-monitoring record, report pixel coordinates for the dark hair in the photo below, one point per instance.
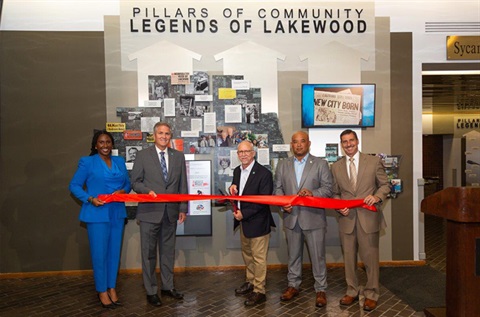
(96, 135)
(349, 132)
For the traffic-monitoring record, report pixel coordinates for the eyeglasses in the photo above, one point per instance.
(244, 152)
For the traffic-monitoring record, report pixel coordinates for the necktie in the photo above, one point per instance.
(353, 173)
(163, 163)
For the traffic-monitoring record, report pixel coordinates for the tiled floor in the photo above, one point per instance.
(435, 242)
(206, 293)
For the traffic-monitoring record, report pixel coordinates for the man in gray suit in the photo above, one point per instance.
(360, 176)
(159, 170)
(304, 175)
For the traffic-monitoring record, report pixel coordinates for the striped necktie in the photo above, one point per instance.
(163, 163)
(353, 173)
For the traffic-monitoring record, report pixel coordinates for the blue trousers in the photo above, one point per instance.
(105, 244)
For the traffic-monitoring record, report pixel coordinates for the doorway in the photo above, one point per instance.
(449, 90)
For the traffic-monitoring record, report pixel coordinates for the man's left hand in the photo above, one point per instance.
(238, 215)
(182, 217)
(305, 192)
(371, 200)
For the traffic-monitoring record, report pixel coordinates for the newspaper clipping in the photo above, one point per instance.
(338, 107)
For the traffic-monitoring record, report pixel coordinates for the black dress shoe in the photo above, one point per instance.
(117, 303)
(107, 306)
(255, 299)
(154, 300)
(172, 293)
(246, 288)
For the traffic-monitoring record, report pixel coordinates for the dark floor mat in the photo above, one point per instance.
(419, 286)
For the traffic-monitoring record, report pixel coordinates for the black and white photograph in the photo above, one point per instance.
(187, 106)
(132, 119)
(200, 108)
(252, 113)
(224, 166)
(241, 99)
(131, 153)
(200, 83)
(158, 87)
(134, 115)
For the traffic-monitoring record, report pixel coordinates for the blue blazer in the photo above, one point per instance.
(89, 181)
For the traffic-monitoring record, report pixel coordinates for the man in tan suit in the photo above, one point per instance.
(360, 176)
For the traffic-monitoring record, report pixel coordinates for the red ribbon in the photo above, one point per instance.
(293, 200)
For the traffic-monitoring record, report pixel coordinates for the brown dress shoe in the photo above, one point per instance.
(348, 300)
(321, 299)
(255, 299)
(290, 293)
(369, 304)
(245, 289)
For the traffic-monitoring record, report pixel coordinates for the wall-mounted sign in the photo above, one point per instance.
(463, 47)
(132, 135)
(115, 126)
(465, 123)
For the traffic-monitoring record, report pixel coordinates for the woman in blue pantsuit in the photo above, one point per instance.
(102, 173)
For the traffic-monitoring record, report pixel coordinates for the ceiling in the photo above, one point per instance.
(448, 93)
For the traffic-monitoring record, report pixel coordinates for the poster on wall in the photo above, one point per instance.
(199, 183)
(331, 152)
(391, 163)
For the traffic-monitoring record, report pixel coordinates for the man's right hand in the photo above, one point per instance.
(287, 208)
(152, 193)
(344, 211)
(233, 190)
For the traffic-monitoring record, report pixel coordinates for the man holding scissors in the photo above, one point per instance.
(255, 220)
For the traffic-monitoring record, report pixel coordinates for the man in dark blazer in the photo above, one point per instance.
(359, 227)
(304, 175)
(255, 220)
(158, 221)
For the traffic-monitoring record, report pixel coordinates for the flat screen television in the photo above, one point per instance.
(338, 105)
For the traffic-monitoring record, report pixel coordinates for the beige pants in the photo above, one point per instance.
(254, 252)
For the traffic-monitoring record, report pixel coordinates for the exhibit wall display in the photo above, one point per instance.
(219, 72)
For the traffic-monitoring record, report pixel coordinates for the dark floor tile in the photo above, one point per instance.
(74, 296)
